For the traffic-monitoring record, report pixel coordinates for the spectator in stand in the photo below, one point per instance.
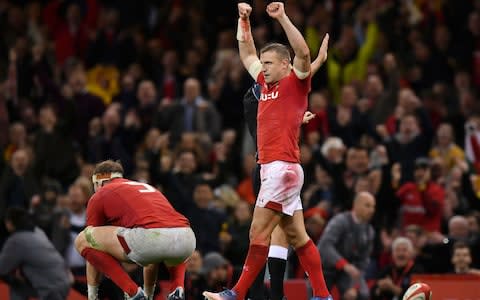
(17, 135)
(346, 120)
(439, 246)
(205, 220)
(58, 162)
(462, 259)
(421, 201)
(317, 129)
(445, 148)
(45, 207)
(43, 274)
(193, 277)
(179, 181)
(112, 141)
(192, 113)
(68, 224)
(348, 59)
(147, 101)
(472, 141)
(87, 106)
(217, 273)
(382, 97)
(18, 185)
(346, 246)
(71, 39)
(395, 279)
(315, 221)
(245, 188)
(235, 236)
(344, 177)
(414, 136)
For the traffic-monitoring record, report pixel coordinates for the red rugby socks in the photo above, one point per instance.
(106, 264)
(177, 275)
(310, 260)
(256, 259)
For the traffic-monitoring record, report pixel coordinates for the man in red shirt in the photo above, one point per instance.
(130, 221)
(422, 201)
(281, 107)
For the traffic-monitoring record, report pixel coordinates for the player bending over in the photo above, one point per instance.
(130, 221)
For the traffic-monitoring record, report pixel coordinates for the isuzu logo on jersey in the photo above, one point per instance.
(269, 96)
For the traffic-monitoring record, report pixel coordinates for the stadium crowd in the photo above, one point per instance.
(159, 85)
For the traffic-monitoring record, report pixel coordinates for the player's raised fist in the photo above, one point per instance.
(276, 10)
(244, 10)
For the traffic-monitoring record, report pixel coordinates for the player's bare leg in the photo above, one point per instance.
(263, 222)
(277, 261)
(150, 279)
(102, 250)
(307, 253)
(103, 238)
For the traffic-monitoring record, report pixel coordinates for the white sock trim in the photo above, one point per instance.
(92, 292)
(278, 252)
(149, 290)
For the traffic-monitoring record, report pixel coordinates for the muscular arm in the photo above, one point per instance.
(246, 45)
(301, 62)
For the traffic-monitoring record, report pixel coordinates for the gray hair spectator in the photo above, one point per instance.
(395, 279)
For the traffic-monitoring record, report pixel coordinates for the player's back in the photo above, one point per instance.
(132, 204)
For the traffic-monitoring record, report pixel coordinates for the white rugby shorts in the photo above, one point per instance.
(146, 246)
(281, 184)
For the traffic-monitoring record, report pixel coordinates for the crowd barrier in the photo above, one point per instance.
(444, 287)
(452, 287)
(294, 289)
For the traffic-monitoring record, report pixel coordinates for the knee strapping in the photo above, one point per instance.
(90, 238)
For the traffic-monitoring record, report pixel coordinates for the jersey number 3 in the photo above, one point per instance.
(146, 187)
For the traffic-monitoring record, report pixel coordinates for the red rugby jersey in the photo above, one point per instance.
(131, 204)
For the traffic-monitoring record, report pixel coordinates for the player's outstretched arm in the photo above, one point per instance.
(322, 55)
(301, 62)
(246, 45)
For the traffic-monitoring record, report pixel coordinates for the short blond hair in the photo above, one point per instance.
(280, 49)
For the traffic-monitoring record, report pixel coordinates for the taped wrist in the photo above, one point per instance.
(243, 30)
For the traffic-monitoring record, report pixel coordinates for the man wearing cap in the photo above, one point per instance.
(130, 221)
(217, 272)
(421, 201)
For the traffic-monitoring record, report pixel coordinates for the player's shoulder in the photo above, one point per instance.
(260, 78)
(299, 79)
(112, 187)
